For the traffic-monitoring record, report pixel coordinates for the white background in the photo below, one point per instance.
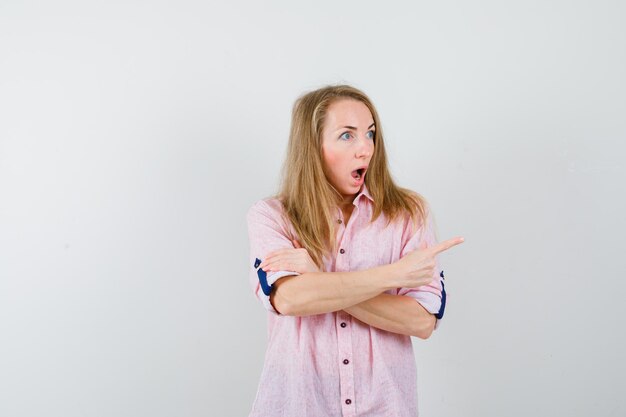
(135, 135)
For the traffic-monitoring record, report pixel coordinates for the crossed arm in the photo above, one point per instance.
(360, 294)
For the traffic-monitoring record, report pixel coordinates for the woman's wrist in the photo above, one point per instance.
(391, 276)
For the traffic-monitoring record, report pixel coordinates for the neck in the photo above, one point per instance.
(346, 204)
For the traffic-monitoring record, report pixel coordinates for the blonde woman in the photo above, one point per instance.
(344, 261)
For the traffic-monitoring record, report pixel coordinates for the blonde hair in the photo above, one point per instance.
(310, 202)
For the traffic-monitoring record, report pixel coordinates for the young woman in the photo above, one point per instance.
(344, 261)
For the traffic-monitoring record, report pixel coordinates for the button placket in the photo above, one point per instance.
(346, 372)
(344, 335)
(341, 262)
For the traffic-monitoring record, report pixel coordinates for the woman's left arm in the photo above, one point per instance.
(395, 313)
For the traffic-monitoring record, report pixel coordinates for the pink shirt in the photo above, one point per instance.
(331, 365)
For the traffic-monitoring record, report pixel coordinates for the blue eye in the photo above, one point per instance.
(343, 135)
(371, 134)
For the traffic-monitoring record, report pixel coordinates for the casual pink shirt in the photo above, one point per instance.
(331, 365)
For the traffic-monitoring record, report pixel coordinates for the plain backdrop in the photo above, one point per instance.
(134, 136)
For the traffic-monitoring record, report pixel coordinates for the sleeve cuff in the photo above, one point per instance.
(266, 282)
(433, 303)
(428, 300)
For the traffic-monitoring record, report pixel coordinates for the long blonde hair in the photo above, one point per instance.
(310, 202)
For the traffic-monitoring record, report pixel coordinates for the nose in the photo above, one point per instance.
(364, 148)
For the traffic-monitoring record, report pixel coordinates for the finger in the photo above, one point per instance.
(278, 256)
(445, 245)
(272, 255)
(281, 266)
(289, 262)
(270, 261)
(423, 245)
(272, 265)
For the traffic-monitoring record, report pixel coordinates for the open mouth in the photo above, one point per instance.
(358, 173)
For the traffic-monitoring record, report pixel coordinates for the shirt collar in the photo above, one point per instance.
(364, 191)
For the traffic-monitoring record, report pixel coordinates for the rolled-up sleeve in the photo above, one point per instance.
(431, 296)
(266, 233)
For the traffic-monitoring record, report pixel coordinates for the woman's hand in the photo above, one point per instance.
(417, 268)
(296, 260)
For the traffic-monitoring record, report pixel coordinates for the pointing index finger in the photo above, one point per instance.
(447, 244)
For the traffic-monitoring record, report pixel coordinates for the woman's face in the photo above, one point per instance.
(347, 145)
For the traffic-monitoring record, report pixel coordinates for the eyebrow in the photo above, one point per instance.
(354, 128)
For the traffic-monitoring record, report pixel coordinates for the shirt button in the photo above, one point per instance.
(348, 401)
(342, 251)
(343, 324)
(345, 361)
(339, 221)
